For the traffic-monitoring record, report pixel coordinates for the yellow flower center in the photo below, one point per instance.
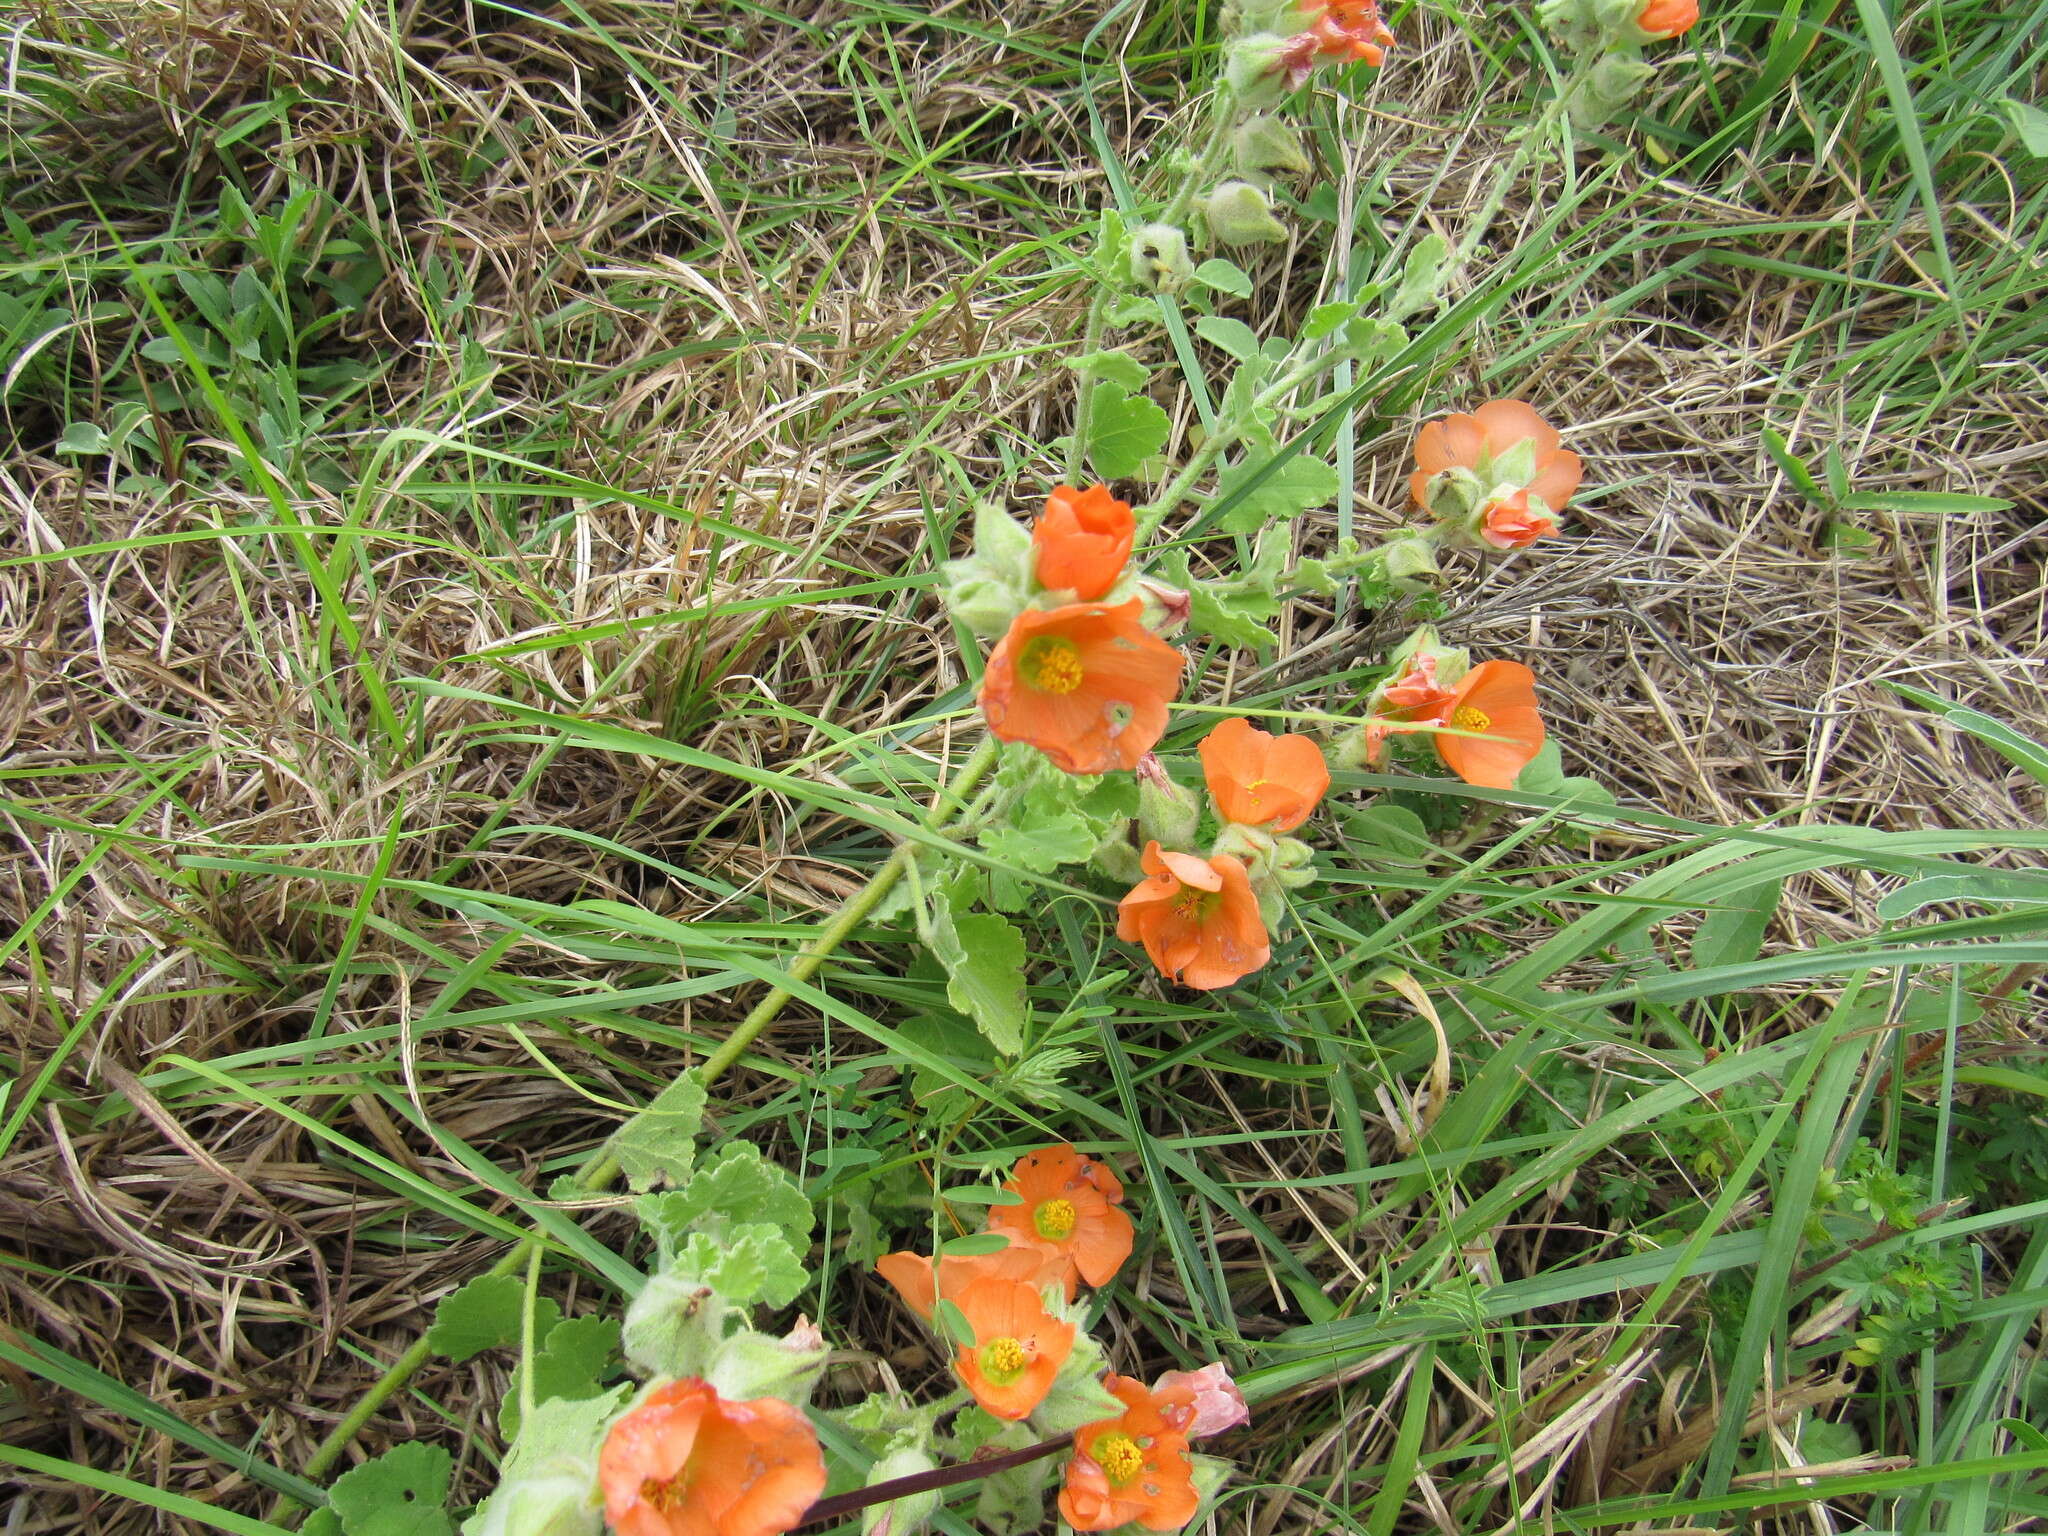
(1466, 718)
(1003, 1360)
(664, 1494)
(1052, 665)
(1054, 1219)
(1118, 1456)
(1193, 905)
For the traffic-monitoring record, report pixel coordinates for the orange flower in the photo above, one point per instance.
(1134, 1466)
(1018, 1346)
(1083, 540)
(1474, 442)
(1509, 522)
(1197, 918)
(1034, 1264)
(1349, 29)
(1258, 779)
(1086, 684)
(1499, 698)
(688, 1462)
(1668, 18)
(1070, 1205)
(1414, 695)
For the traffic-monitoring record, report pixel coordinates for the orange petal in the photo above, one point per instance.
(1505, 423)
(1557, 478)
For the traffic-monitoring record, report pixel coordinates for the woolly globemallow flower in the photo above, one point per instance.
(1261, 780)
(1087, 684)
(1133, 1467)
(1338, 30)
(1197, 918)
(688, 1462)
(1666, 19)
(1082, 541)
(1512, 457)
(910, 1274)
(1497, 698)
(1018, 1346)
(1069, 1204)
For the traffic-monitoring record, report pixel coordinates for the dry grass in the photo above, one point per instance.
(630, 323)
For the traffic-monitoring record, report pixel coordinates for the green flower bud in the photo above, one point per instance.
(1252, 845)
(1210, 1474)
(1451, 494)
(1263, 143)
(674, 1327)
(904, 1516)
(1409, 560)
(751, 1364)
(1241, 18)
(1616, 80)
(990, 587)
(552, 1503)
(1294, 863)
(1239, 214)
(1255, 69)
(1158, 259)
(1116, 858)
(1167, 812)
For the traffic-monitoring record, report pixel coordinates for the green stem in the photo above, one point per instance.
(1084, 384)
(1535, 137)
(597, 1174)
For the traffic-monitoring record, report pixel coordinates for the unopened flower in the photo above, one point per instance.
(1497, 699)
(1082, 541)
(1167, 813)
(1214, 1401)
(1018, 1346)
(1132, 1468)
(1197, 918)
(1031, 1262)
(1070, 1205)
(688, 1462)
(1263, 780)
(1469, 470)
(1240, 214)
(1087, 684)
(1157, 259)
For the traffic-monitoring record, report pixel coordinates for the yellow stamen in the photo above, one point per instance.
(1118, 1456)
(1191, 905)
(664, 1494)
(1003, 1360)
(1054, 1219)
(1466, 718)
(1054, 666)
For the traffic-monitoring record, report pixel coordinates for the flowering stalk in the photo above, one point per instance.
(602, 1170)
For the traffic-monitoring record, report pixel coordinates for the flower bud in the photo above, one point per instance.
(1241, 18)
(552, 1503)
(674, 1327)
(750, 1364)
(1239, 214)
(1451, 494)
(1294, 863)
(1253, 846)
(1263, 143)
(1167, 812)
(1409, 561)
(991, 586)
(1218, 1405)
(1166, 608)
(1115, 857)
(1611, 84)
(1255, 69)
(1158, 259)
(901, 1517)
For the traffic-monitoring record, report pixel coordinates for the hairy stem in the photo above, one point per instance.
(598, 1173)
(839, 1506)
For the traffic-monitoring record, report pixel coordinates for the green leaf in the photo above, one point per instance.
(983, 956)
(749, 1265)
(1327, 320)
(1794, 467)
(1233, 336)
(952, 1323)
(1232, 616)
(975, 1245)
(1124, 430)
(82, 437)
(1988, 885)
(2029, 122)
(1388, 834)
(569, 1364)
(487, 1313)
(1944, 503)
(404, 1492)
(564, 1429)
(1732, 932)
(658, 1145)
(2022, 752)
(1224, 277)
(1115, 367)
(981, 1194)
(1260, 491)
(1422, 275)
(740, 1188)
